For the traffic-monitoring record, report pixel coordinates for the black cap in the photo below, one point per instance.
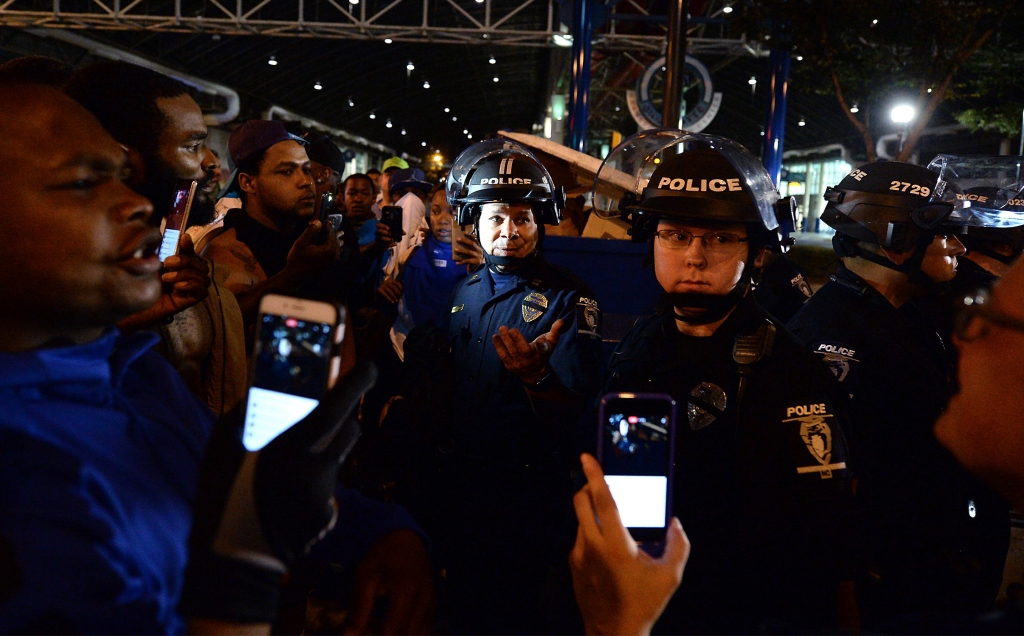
(324, 151)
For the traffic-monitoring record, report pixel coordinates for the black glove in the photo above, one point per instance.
(258, 512)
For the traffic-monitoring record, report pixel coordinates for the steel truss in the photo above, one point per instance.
(350, 22)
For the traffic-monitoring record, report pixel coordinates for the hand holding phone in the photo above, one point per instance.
(292, 364)
(392, 215)
(177, 219)
(636, 446)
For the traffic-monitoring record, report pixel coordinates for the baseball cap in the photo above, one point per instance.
(394, 162)
(250, 139)
(324, 151)
(409, 178)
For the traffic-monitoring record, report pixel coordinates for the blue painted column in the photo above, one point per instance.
(775, 120)
(579, 85)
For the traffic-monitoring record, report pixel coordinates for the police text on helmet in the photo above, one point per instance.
(714, 185)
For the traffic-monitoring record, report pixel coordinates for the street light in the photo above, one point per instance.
(902, 114)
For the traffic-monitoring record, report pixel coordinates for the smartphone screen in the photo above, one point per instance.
(291, 367)
(391, 215)
(636, 453)
(176, 219)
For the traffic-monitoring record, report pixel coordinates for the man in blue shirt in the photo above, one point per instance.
(100, 441)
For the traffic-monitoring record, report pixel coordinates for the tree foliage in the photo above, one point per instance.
(867, 53)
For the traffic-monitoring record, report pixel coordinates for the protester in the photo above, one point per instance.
(162, 126)
(100, 442)
(273, 243)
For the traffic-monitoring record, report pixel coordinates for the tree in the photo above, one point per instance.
(865, 52)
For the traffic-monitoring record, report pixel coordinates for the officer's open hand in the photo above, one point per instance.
(620, 589)
(528, 360)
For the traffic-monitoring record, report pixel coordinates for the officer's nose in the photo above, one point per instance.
(508, 228)
(694, 255)
(956, 248)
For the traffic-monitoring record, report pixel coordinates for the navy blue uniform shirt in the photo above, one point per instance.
(494, 417)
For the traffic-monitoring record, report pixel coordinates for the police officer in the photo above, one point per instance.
(936, 539)
(762, 484)
(525, 338)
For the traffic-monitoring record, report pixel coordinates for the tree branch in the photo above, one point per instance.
(864, 131)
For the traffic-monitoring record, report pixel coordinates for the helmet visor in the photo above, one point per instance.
(984, 191)
(625, 173)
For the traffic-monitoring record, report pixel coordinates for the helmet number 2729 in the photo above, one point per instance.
(901, 186)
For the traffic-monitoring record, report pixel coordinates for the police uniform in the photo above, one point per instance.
(935, 538)
(762, 488)
(510, 492)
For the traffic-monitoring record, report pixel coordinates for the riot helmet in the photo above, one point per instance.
(985, 240)
(667, 174)
(501, 171)
(671, 174)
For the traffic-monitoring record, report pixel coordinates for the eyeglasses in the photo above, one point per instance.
(976, 305)
(712, 241)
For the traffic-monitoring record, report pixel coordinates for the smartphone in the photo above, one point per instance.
(636, 448)
(176, 219)
(391, 215)
(460, 231)
(293, 363)
(323, 211)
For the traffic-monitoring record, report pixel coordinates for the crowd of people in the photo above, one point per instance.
(846, 463)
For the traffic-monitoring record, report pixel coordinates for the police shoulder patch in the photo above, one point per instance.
(815, 431)
(588, 318)
(837, 356)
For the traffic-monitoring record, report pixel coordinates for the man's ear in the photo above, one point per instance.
(896, 257)
(138, 166)
(759, 261)
(246, 183)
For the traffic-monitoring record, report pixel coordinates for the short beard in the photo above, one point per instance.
(159, 187)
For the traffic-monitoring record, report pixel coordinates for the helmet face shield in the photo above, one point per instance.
(666, 173)
(501, 171)
(984, 191)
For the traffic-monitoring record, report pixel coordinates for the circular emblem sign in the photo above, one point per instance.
(700, 102)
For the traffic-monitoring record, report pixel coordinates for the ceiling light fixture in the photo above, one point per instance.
(855, 108)
(403, 131)
(492, 60)
(752, 81)
(410, 66)
(272, 61)
(495, 78)
(423, 143)
(387, 40)
(447, 110)
(388, 125)
(351, 104)
(801, 122)
(373, 115)
(426, 84)
(454, 118)
(725, 9)
(318, 86)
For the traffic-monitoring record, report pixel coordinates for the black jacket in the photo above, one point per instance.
(767, 507)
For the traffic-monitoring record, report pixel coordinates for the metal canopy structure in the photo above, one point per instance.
(529, 23)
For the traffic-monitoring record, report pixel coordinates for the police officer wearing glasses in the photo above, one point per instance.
(935, 538)
(525, 338)
(762, 481)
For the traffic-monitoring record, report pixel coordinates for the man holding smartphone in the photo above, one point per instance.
(102, 442)
(761, 482)
(525, 358)
(270, 244)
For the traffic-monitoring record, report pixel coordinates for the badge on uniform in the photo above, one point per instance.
(708, 403)
(534, 306)
(588, 318)
(837, 356)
